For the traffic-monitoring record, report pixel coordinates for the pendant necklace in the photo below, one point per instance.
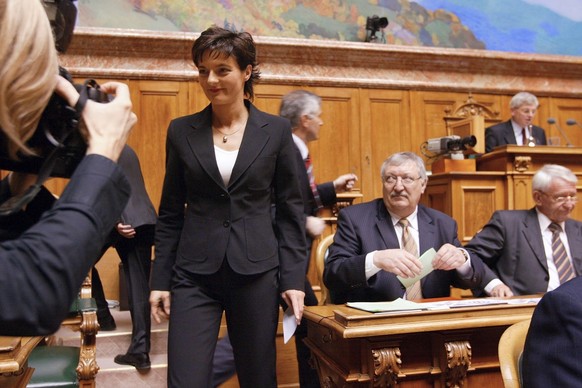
(225, 136)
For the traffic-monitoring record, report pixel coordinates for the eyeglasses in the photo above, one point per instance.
(406, 180)
(561, 199)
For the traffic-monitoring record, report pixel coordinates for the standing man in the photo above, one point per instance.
(518, 245)
(519, 129)
(379, 240)
(133, 239)
(303, 109)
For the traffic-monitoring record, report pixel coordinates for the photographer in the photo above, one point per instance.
(42, 269)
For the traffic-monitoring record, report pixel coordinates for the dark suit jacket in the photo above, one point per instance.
(201, 222)
(139, 210)
(553, 346)
(42, 270)
(368, 227)
(326, 191)
(511, 245)
(502, 133)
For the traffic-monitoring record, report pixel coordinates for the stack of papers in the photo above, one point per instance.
(400, 304)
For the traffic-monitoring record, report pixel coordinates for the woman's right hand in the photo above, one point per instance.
(160, 304)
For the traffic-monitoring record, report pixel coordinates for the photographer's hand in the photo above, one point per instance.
(108, 124)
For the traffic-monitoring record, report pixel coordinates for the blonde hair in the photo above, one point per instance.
(28, 66)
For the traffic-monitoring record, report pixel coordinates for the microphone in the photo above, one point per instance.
(551, 121)
(573, 122)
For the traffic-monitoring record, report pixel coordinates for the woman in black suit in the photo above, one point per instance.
(217, 248)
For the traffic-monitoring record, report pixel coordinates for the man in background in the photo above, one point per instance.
(518, 245)
(519, 129)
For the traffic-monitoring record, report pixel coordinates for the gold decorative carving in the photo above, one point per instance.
(87, 368)
(470, 108)
(458, 362)
(522, 163)
(344, 200)
(386, 366)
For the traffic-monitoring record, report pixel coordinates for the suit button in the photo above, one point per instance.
(224, 196)
(226, 223)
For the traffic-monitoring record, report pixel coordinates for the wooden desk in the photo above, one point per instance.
(14, 352)
(450, 348)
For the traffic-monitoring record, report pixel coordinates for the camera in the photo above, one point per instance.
(374, 24)
(57, 141)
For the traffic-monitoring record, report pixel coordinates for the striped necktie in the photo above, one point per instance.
(317, 199)
(561, 261)
(413, 292)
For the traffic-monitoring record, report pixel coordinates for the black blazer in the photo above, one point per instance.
(551, 355)
(41, 272)
(201, 222)
(367, 227)
(502, 133)
(511, 245)
(139, 210)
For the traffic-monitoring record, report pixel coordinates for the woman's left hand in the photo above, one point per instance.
(294, 299)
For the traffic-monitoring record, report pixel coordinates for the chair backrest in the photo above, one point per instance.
(320, 256)
(509, 351)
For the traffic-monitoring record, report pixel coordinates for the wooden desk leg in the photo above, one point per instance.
(458, 362)
(387, 364)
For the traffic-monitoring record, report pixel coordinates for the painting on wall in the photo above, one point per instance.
(529, 26)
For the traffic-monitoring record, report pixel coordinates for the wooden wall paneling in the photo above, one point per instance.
(563, 109)
(386, 128)
(155, 103)
(479, 199)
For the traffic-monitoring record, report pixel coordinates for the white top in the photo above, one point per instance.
(225, 161)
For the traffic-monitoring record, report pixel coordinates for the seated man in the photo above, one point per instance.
(519, 130)
(377, 241)
(518, 244)
(554, 339)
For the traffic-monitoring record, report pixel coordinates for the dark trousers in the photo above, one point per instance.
(308, 377)
(251, 306)
(135, 254)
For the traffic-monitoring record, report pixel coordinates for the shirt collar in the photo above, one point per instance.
(412, 219)
(545, 222)
(301, 146)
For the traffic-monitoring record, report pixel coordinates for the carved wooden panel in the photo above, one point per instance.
(386, 128)
(155, 103)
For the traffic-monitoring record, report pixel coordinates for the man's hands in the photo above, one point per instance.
(345, 182)
(397, 261)
(160, 304)
(404, 264)
(501, 291)
(448, 257)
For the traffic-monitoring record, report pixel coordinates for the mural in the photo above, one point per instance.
(532, 26)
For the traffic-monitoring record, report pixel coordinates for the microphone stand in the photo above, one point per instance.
(551, 121)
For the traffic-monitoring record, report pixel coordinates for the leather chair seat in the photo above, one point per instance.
(54, 366)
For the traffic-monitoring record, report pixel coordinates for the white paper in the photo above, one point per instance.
(289, 324)
(426, 260)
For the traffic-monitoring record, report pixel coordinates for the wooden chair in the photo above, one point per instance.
(70, 366)
(509, 350)
(320, 256)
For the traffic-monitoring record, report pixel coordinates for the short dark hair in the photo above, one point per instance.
(222, 42)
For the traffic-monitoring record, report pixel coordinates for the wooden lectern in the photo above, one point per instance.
(503, 180)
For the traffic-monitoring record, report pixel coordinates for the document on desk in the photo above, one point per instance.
(397, 305)
(401, 305)
(426, 260)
